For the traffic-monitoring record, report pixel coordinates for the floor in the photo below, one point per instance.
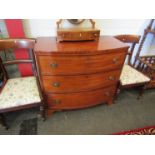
(127, 113)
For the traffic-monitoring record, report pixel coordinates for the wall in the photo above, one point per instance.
(43, 27)
(47, 27)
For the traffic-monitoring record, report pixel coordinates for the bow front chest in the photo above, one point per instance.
(79, 74)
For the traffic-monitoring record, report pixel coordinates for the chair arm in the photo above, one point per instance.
(128, 38)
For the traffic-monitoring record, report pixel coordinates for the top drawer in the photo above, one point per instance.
(71, 65)
(78, 35)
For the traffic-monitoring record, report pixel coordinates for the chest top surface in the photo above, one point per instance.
(46, 45)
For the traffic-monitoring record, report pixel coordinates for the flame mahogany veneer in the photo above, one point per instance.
(79, 74)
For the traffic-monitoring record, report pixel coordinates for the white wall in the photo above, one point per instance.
(46, 27)
(43, 27)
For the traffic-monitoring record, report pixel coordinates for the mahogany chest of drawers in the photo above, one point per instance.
(79, 74)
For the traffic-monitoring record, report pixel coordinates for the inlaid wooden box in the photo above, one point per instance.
(84, 34)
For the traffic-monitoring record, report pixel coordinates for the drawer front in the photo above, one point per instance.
(74, 36)
(80, 100)
(62, 84)
(70, 65)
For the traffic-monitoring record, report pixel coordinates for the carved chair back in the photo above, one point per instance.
(7, 44)
(132, 40)
(15, 44)
(147, 65)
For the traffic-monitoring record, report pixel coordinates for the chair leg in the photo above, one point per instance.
(3, 120)
(141, 92)
(117, 92)
(43, 112)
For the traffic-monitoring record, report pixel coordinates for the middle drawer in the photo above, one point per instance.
(77, 83)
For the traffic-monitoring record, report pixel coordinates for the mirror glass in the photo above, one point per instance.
(76, 21)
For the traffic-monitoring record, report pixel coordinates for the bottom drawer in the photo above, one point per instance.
(81, 99)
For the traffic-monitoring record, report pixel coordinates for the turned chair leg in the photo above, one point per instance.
(3, 120)
(43, 112)
(117, 92)
(141, 92)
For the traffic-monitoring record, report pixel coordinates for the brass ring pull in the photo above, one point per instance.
(57, 101)
(95, 34)
(115, 60)
(54, 65)
(111, 78)
(56, 84)
(107, 93)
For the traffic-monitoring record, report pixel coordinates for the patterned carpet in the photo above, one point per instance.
(150, 130)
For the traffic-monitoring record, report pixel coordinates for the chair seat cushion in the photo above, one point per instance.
(131, 76)
(19, 92)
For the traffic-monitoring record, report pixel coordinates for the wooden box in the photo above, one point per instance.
(84, 34)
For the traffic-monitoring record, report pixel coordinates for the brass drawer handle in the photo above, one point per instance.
(107, 93)
(57, 101)
(115, 60)
(112, 78)
(54, 65)
(56, 84)
(95, 34)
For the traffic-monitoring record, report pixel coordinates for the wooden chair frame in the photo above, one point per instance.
(147, 66)
(147, 63)
(148, 30)
(28, 44)
(132, 40)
